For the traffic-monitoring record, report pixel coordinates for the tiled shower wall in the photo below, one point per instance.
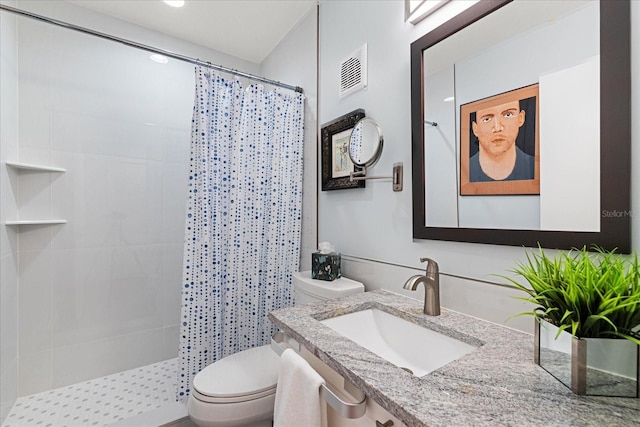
(8, 236)
(99, 294)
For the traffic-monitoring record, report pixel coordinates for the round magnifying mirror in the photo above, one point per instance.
(365, 143)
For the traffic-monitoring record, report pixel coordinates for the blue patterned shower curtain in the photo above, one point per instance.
(242, 231)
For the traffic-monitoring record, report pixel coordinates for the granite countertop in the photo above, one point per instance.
(496, 384)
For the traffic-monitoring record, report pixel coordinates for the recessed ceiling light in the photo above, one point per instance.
(175, 3)
(161, 59)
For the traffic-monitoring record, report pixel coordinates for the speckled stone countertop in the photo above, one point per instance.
(495, 385)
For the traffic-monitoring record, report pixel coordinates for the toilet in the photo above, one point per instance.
(240, 390)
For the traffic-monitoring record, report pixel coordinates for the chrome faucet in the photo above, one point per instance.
(431, 282)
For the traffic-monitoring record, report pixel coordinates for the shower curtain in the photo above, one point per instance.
(242, 231)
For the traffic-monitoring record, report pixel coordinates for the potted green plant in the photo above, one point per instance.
(587, 311)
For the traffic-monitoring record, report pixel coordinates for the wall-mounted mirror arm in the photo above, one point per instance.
(396, 176)
(358, 175)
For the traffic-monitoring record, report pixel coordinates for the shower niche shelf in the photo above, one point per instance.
(34, 167)
(20, 166)
(36, 222)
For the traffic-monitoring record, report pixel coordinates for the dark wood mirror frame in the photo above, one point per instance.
(615, 140)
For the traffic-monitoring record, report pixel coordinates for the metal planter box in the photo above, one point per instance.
(588, 366)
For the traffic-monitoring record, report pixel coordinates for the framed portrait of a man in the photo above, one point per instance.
(499, 144)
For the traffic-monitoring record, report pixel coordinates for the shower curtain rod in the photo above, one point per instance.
(145, 47)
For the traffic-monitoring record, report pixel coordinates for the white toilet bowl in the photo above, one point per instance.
(237, 390)
(240, 390)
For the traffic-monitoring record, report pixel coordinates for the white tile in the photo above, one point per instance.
(99, 293)
(35, 237)
(175, 181)
(62, 191)
(82, 298)
(65, 130)
(34, 195)
(84, 361)
(171, 341)
(34, 312)
(9, 177)
(32, 154)
(34, 372)
(8, 87)
(65, 236)
(93, 221)
(148, 138)
(485, 301)
(34, 47)
(134, 196)
(35, 125)
(177, 145)
(171, 284)
(104, 136)
(179, 89)
(8, 210)
(67, 277)
(8, 389)
(8, 313)
(8, 239)
(379, 276)
(136, 274)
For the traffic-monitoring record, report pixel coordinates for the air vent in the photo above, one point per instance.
(353, 72)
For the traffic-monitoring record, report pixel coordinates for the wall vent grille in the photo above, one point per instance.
(353, 72)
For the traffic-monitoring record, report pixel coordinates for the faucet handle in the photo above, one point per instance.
(432, 266)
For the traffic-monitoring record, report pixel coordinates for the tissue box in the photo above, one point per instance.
(325, 266)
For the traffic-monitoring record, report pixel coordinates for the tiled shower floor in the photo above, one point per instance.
(98, 402)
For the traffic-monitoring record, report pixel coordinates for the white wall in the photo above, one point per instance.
(101, 293)
(294, 61)
(375, 223)
(8, 237)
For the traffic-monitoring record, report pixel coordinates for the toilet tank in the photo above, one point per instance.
(306, 289)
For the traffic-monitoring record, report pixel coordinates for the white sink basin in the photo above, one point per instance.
(405, 344)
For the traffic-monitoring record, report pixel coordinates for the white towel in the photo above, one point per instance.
(298, 401)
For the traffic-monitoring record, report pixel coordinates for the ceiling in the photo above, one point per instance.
(247, 29)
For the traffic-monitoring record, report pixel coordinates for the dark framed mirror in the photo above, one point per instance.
(600, 180)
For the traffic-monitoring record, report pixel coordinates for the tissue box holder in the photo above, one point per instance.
(325, 266)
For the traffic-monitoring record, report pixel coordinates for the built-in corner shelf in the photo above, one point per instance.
(19, 166)
(36, 222)
(34, 167)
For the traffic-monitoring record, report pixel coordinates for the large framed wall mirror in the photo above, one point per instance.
(521, 125)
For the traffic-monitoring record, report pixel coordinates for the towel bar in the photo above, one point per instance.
(345, 409)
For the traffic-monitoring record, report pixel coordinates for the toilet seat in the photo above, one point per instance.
(247, 375)
(236, 399)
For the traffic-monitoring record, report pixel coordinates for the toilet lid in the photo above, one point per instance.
(245, 375)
